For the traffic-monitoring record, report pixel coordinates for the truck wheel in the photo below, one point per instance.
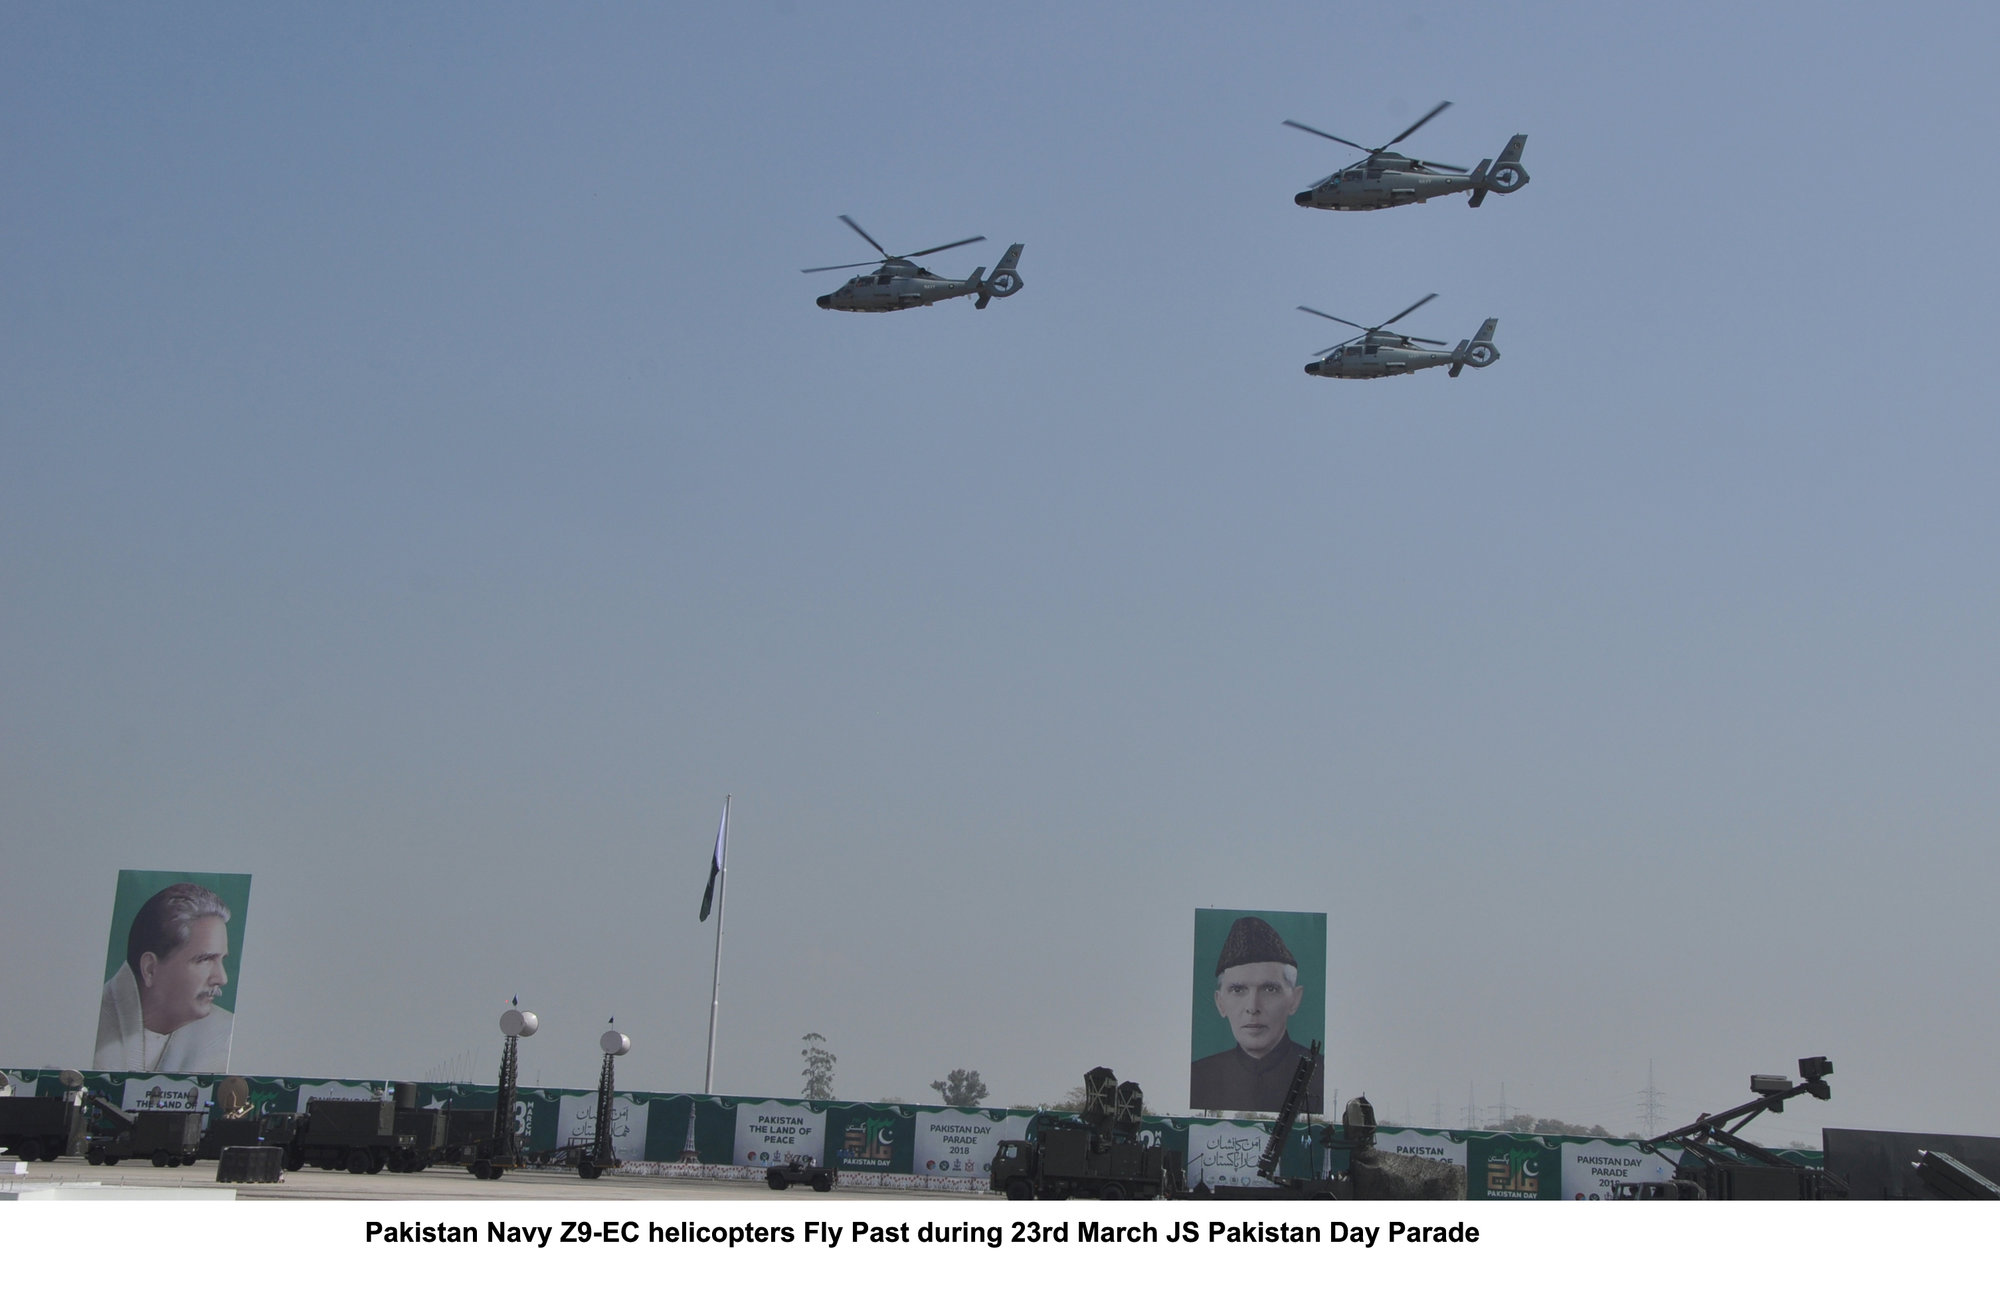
(159, 1159)
(823, 1183)
(95, 1155)
(477, 1170)
(588, 1171)
(357, 1161)
(1112, 1190)
(776, 1181)
(1020, 1188)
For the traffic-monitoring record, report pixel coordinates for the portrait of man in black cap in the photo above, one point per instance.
(1257, 990)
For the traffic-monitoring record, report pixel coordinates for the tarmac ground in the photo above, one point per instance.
(453, 1183)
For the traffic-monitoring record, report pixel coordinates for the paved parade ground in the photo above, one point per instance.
(442, 1184)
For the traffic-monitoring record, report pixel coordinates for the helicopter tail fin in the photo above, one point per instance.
(1504, 175)
(1480, 351)
(1005, 279)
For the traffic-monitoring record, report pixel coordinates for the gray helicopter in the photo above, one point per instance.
(1377, 351)
(897, 282)
(1384, 178)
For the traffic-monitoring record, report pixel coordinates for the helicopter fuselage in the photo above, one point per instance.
(1391, 179)
(1379, 186)
(896, 287)
(1366, 359)
(901, 284)
(1384, 353)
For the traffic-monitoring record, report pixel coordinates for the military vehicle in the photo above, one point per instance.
(170, 1138)
(427, 1131)
(1384, 178)
(359, 1136)
(1096, 1154)
(1671, 1189)
(223, 1132)
(599, 1155)
(898, 282)
(1377, 351)
(801, 1171)
(34, 1128)
(486, 1141)
(1332, 1186)
(1723, 1165)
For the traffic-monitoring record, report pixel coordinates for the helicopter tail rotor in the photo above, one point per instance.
(1480, 351)
(1006, 278)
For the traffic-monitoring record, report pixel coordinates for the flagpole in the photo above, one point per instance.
(721, 899)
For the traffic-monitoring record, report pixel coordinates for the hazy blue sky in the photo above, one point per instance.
(426, 485)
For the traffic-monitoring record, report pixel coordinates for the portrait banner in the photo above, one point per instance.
(1259, 1002)
(168, 998)
(771, 1132)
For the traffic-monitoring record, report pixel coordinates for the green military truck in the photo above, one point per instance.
(359, 1136)
(1096, 1154)
(169, 1138)
(34, 1128)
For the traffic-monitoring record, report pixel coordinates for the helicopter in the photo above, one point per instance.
(1377, 351)
(898, 282)
(1384, 178)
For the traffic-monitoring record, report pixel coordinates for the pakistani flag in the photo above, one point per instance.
(715, 862)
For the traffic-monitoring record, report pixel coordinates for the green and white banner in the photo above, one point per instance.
(1590, 1169)
(576, 1123)
(1225, 1153)
(1445, 1148)
(770, 1132)
(962, 1143)
(937, 1144)
(159, 1093)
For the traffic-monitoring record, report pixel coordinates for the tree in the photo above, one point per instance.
(961, 1087)
(818, 1073)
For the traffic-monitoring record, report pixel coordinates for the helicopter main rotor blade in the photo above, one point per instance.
(828, 268)
(1330, 318)
(1407, 312)
(1421, 122)
(1324, 135)
(1439, 165)
(947, 246)
(864, 236)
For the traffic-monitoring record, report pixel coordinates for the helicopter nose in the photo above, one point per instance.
(1312, 369)
(826, 302)
(1303, 199)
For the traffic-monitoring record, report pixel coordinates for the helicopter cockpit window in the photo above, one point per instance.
(1373, 349)
(884, 280)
